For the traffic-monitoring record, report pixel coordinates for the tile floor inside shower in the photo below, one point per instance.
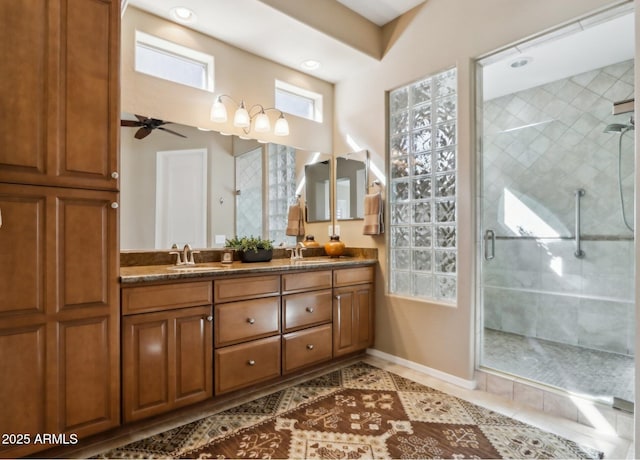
(598, 374)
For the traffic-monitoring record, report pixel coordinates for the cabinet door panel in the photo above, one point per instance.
(22, 396)
(87, 34)
(87, 248)
(86, 375)
(23, 85)
(22, 246)
(194, 354)
(353, 319)
(146, 365)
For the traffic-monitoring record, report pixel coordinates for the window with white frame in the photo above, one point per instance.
(170, 61)
(298, 101)
(422, 190)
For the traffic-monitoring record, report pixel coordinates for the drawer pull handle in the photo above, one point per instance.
(309, 309)
(251, 320)
(209, 318)
(310, 346)
(251, 362)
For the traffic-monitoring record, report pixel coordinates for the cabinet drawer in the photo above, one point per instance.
(306, 309)
(246, 320)
(242, 365)
(306, 347)
(307, 281)
(143, 299)
(359, 275)
(246, 288)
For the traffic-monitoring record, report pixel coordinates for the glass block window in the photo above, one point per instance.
(422, 190)
(282, 191)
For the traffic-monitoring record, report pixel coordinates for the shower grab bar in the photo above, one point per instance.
(579, 252)
(489, 236)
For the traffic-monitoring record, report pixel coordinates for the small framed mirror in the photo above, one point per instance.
(351, 185)
(318, 191)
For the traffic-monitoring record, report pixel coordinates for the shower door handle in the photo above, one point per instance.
(489, 244)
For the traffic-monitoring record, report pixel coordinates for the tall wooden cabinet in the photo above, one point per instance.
(59, 254)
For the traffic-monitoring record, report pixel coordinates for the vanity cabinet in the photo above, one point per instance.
(167, 337)
(307, 315)
(247, 331)
(353, 314)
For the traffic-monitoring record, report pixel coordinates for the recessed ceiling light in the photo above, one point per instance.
(520, 61)
(310, 64)
(182, 14)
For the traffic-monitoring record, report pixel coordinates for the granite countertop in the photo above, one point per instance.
(148, 273)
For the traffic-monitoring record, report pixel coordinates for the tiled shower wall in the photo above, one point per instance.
(540, 145)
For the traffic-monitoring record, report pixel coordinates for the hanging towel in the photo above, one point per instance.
(295, 221)
(373, 214)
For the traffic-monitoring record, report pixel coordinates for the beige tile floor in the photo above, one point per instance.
(614, 447)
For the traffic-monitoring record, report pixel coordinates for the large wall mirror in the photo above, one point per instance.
(351, 184)
(205, 187)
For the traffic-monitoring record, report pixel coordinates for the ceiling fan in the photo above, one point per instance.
(147, 125)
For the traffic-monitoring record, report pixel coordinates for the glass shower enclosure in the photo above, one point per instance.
(556, 169)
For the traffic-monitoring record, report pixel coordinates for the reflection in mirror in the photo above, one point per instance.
(351, 185)
(318, 191)
(236, 187)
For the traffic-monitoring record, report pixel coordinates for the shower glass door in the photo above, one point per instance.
(556, 278)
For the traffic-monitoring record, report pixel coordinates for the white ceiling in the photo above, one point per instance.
(263, 30)
(381, 11)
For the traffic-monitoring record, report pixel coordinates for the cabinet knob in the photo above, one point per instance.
(209, 318)
(309, 309)
(251, 320)
(114, 205)
(115, 175)
(310, 346)
(251, 362)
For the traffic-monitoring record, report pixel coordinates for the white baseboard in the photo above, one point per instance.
(467, 384)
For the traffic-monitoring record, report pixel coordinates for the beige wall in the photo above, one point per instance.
(439, 35)
(237, 73)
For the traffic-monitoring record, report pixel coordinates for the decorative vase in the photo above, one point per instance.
(310, 242)
(334, 247)
(262, 255)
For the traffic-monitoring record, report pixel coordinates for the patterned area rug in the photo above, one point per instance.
(358, 412)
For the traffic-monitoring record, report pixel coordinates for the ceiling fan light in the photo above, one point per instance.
(218, 112)
(241, 118)
(282, 126)
(262, 124)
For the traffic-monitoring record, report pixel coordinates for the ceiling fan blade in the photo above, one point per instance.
(141, 118)
(129, 123)
(172, 132)
(142, 133)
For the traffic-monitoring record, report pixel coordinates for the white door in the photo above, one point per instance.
(181, 198)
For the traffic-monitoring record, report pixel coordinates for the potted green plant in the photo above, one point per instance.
(251, 248)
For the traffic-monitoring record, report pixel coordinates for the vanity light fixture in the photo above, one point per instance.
(243, 117)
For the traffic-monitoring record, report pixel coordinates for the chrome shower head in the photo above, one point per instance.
(619, 127)
(615, 128)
